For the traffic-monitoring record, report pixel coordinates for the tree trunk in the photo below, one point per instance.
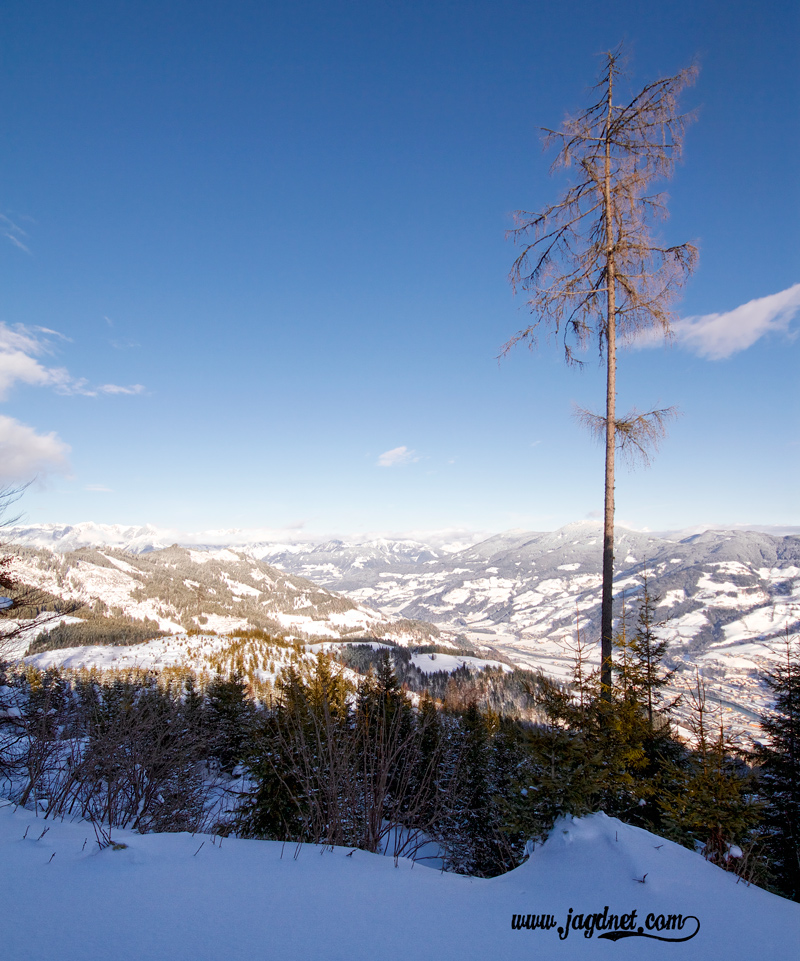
(607, 603)
(596, 235)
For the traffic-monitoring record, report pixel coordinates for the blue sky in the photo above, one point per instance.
(255, 269)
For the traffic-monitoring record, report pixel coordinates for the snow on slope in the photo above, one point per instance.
(179, 897)
(729, 595)
(431, 663)
(177, 650)
(179, 589)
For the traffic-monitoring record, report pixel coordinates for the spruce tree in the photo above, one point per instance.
(641, 710)
(648, 649)
(709, 804)
(472, 849)
(230, 716)
(780, 773)
(279, 805)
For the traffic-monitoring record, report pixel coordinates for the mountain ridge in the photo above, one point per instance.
(729, 597)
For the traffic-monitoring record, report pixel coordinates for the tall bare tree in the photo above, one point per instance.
(593, 268)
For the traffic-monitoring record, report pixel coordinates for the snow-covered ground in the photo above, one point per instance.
(179, 897)
(430, 663)
(177, 650)
(197, 651)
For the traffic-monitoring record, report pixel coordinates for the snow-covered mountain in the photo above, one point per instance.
(728, 596)
(177, 589)
(257, 542)
(715, 587)
(71, 537)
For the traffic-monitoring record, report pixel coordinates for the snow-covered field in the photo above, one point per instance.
(430, 663)
(177, 650)
(179, 897)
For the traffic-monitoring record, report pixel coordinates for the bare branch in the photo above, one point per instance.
(638, 435)
(594, 270)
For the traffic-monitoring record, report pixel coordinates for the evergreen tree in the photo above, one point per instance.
(279, 760)
(596, 753)
(428, 777)
(230, 714)
(648, 675)
(780, 774)
(639, 734)
(471, 835)
(193, 705)
(710, 803)
(327, 689)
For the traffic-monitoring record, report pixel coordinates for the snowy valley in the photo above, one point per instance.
(727, 598)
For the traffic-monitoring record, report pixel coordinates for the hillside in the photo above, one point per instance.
(727, 597)
(178, 589)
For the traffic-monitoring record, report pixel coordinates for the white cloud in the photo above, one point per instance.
(98, 489)
(24, 453)
(717, 336)
(16, 366)
(19, 349)
(395, 456)
(116, 389)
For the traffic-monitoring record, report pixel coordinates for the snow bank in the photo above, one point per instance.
(177, 896)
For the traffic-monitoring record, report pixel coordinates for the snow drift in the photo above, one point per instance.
(178, 896)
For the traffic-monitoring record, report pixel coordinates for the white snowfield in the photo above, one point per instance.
(178, 897)
(431, 663)
(177, 650)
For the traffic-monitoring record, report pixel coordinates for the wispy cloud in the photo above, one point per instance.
(14, 233)
(20, 348)
(17, 243)
(397, 456)
(24, 453)
(717, 336)
(117, 389)
(98, 489)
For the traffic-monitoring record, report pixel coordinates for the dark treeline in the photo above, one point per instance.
(511, 693)
(369, 764)
(92, 629)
